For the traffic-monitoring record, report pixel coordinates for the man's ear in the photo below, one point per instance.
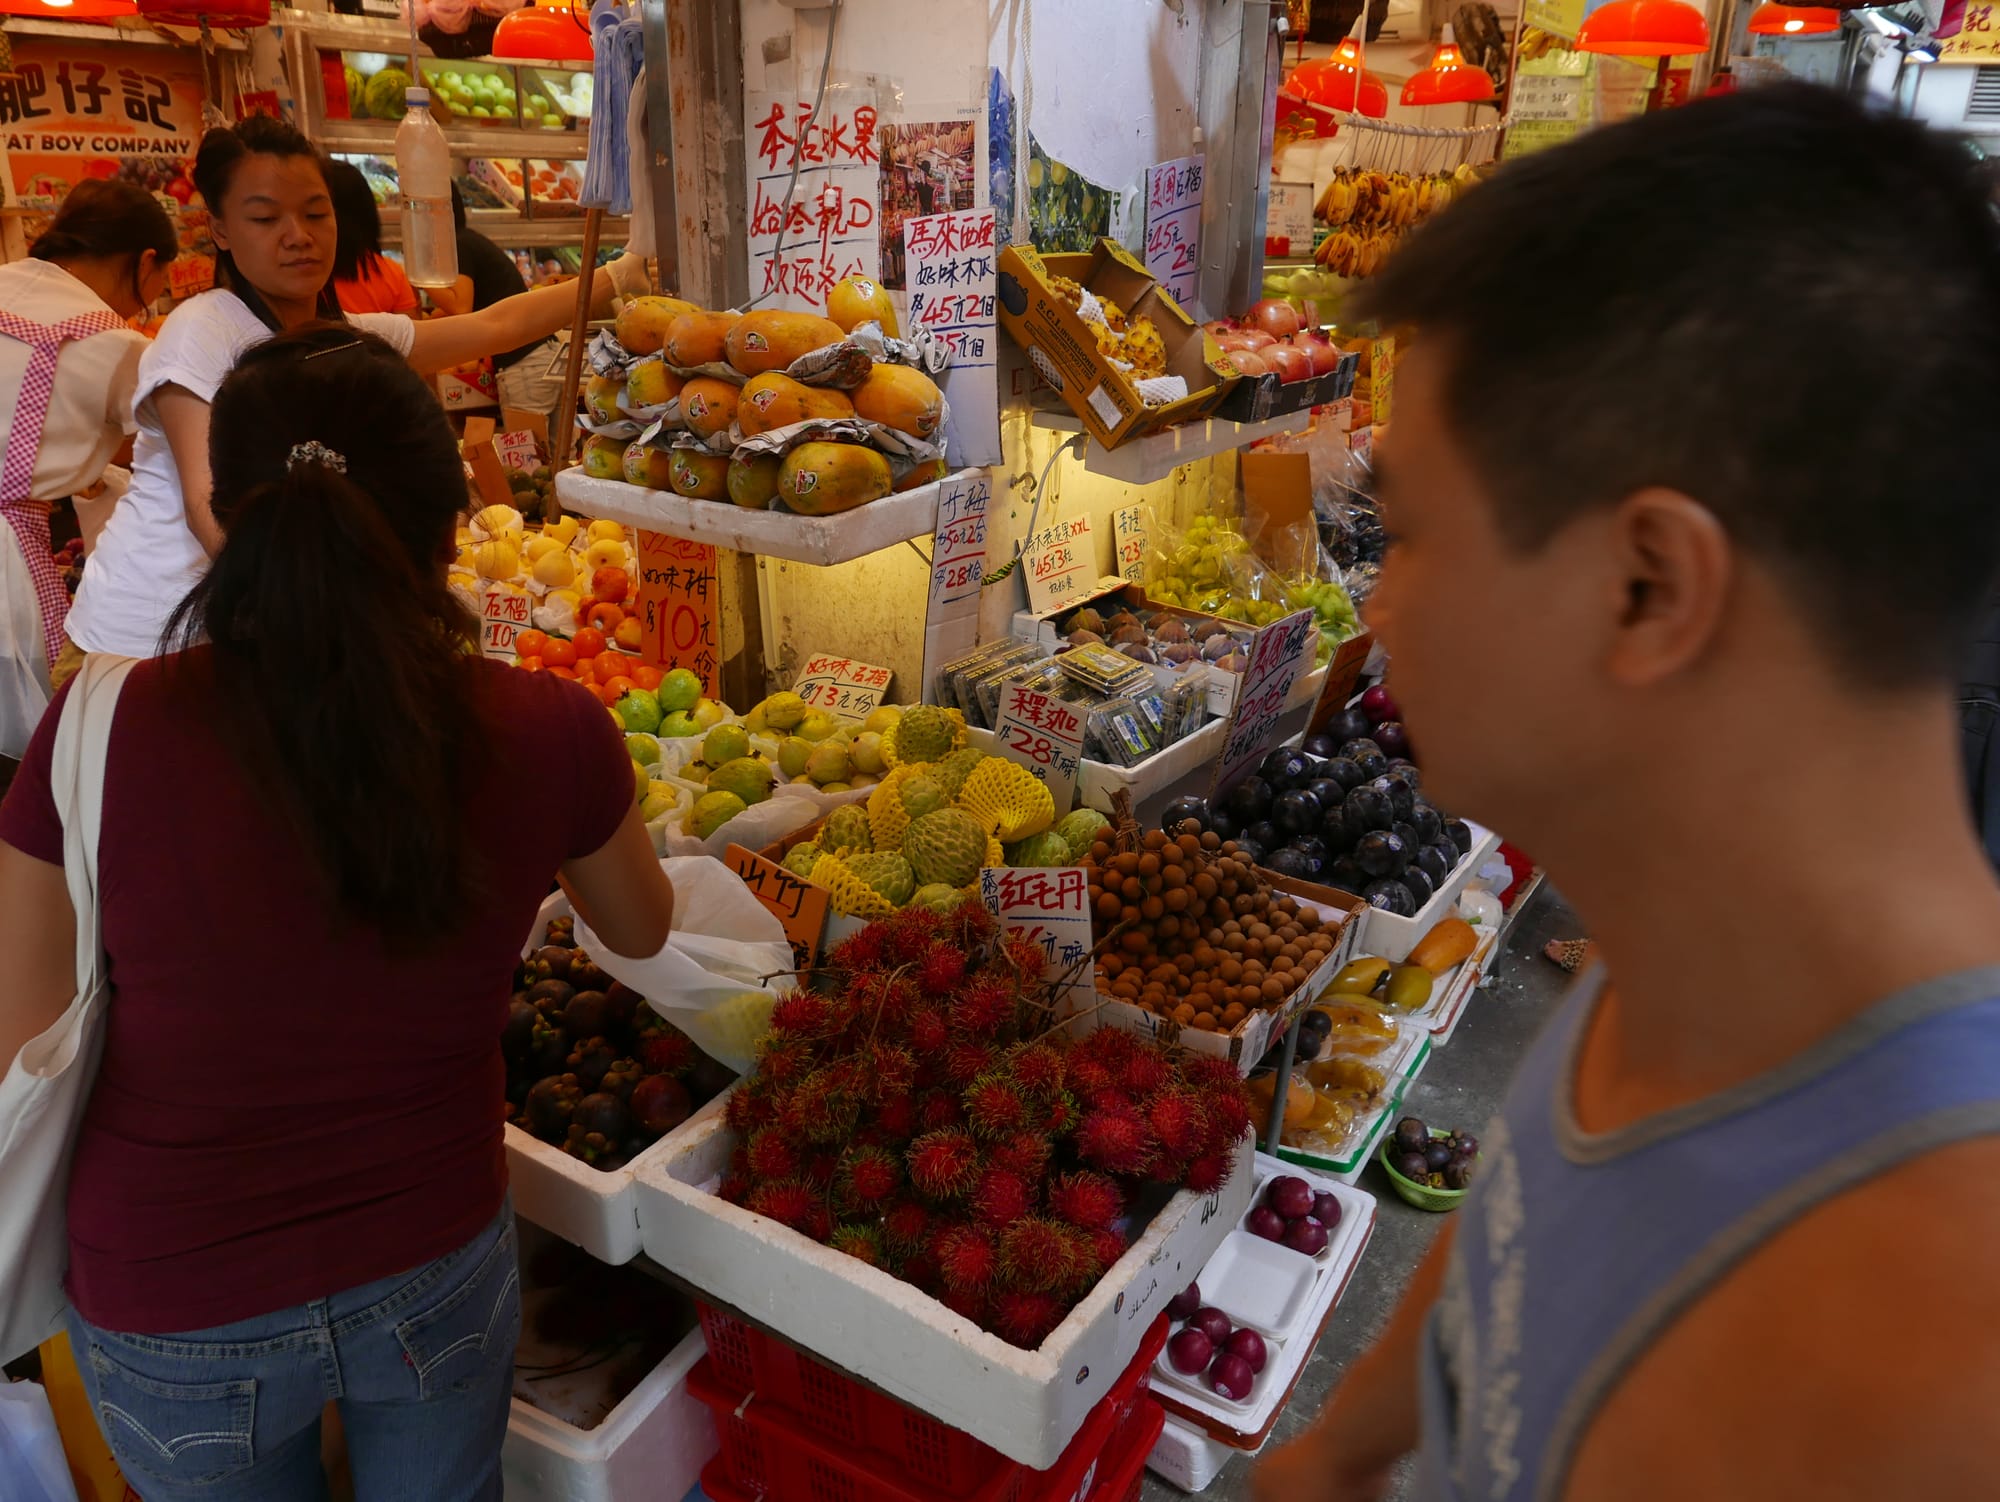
(1678, 566)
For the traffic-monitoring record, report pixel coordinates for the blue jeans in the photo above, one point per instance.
(422, 1365)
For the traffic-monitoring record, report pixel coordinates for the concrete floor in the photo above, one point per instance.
(1461, 1086)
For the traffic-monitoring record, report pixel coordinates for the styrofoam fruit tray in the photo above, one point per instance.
(1393, 937)
(1451, 991)
(1259, 1283)
(1403, 1063)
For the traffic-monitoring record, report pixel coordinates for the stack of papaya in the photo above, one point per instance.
(709, 389)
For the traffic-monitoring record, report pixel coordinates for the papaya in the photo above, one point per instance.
(699, 476)
(753, 479)
(900, 397)
(641, 325)
(770, 340)
(698, 338)
(600, 399)
(708, 406)
(775, 400)
(650, 383)
(856, 299)
(820, 479)
(649, 466)
(927, 473)
(1450, 942)
(604, 458)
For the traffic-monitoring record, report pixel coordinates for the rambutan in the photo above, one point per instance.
(1115, 1140)
(1111, 1047)
(1023, 1153)
(1179, 1120)
(1207, 1174)
(887, 1069)
(909, 933)
(823, 1167)
(1087, 1200)
(965, 1061)
(825, 1105)
(819, 1222)
(666, 1050)
(786, 1058)
(896, 1118)
(929, 1033)
(919, 1269)
(862, 951)
(969, 925)
(1026, 1319)
(994, 1107)
(944, 1164)
(867, 1177)
(1107, 1244)
(773, 1155)
(749, 1108)
(984, 1008)
(941, 970)
(898, 1002)
(966, 1258)
(805, 1013)
(790, 1202)
(1001, 1198)
(1088, 1080)
(863, 1243)
(1061, 1115)
(938, 1108)
(735, 1187)
(1025, 958)
(1206, 1072)
(1144, 1072)
(969, 1304)
(1228, 1112)
(1037, 1253)
(1037, 1069)
(906, 1225)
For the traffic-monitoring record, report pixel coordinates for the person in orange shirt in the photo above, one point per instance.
(364, 280)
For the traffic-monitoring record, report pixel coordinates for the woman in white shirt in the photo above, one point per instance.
(272, 219)
(68, 361)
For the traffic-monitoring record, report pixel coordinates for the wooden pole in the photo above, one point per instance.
(593, 226)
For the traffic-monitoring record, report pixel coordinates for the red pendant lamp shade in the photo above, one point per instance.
(1449, 79)
(1774, 20)
(536, 30)
(69, 10)
(1644, 28)
(222, 15)
(1341, 82)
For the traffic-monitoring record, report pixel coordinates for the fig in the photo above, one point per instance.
(1126, 635)
(1189, 1351)
(1290, 1196)
(517, 1036)
(1178, 653)
(1185, 1303)
(1232, 1377)
(1249, 1345)
(659, 1103)
(1172, 631)
(1235, 662)
(588, 1014)
(1213, 1323)
(1138, 651)
(550, 1105)
(1084, 638)
(591, 1060)
(1217, 647)
(1089, 620)
(1120, 619)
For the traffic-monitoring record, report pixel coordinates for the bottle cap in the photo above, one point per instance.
(416, 97)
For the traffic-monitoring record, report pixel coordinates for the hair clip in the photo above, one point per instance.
(333, 349)
(314, 452)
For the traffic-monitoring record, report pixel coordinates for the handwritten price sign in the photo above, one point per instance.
(680, 617)
(1128, 536)
(842, 686)
(1173, 225)
(799, 905)
(504, 611)
(1045, 735)
(958, 547)
(1058, 563)
(832, 228)
(1279, 653)
(1047, 905)
(517, 450)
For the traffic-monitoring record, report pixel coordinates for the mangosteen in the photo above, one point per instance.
(659, 1103)
(591, 1060)
(1427, 821)
(1345, 772)
(1460, 834)
(623, 1003)
(1391, 896)
(550, 1104)
(1289, 862)
(603, 1114)
(1224, 823)
(1250, 800)
(1381, 853)
(1297, 812)
(621, 1077)
(1264, 834)
(548, 1047)
(1343, 872)
(551, 961)
(1366, 809)
(588, 1014)
(1457, 1174)
(517, 1036)
(1321, 745)
(1190, 806)
(1351, 724)
(550, 997)
(1313, 848)
(585, 975)
(1422, 888)
(1438, 1155)
(1434, 866)
(1327, 791)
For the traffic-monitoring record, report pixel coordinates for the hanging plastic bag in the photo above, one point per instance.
(723, 968)
(32, 1468)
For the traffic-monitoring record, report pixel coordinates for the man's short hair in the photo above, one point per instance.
(1775, 302)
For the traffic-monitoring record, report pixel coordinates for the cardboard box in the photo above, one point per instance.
(1260, 398)
(1025, 1404)
(1064, 348)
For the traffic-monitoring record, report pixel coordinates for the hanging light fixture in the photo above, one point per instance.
(69, 10)
(1341, 82)
(1774, 20)
(1448, 78)
(544, 29)
(1644, 28)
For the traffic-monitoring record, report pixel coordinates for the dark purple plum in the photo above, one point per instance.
(1391, 896)
(1184, 1304)
(1392, 738)
(1344, 771)
(1351, 724)
(1250, 799)
(1381, 853)
(1181, 809)
(1367, 809)
(1296, 812)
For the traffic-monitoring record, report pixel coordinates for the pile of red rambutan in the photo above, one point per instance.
(910, 1108)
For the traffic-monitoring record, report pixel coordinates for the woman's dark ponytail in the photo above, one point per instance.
(222, 150)
(341, 674)
(100, 219)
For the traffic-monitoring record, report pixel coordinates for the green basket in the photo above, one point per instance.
(1421, 1195)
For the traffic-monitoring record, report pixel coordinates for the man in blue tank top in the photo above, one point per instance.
(1693, 494)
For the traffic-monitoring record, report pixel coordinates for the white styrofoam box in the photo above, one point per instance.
(1096, 781)
(1027, 1405)
(1184, 1456)
(653, 1444)
(1392, 938)
(1259, 1283)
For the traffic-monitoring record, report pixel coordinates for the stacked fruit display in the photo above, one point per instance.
(1368, 213)
(1276, 338)
(485, 94)
(708, 383)
(1213, 569)
(1159, 638)
(909, 1109)
(591, 1068)
(1210, 1342)
(1187, 929)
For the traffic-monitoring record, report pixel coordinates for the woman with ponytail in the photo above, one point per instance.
(68, 362)
(271, 214)
(289, 1183)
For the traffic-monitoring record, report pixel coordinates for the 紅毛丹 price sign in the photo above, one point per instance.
(1279, 654)
(1058, 563)
(842, 686)
(1049, 906)
(1045, 735)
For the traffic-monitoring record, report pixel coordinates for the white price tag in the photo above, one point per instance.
(1173, 225)
(1045, 735)
(842, 686)
(958, 569)
(1059, 563)
(1128, 534)
(504, 611)
(1050, 907)
(1290, 222)
(517, 451)
(1279, 653)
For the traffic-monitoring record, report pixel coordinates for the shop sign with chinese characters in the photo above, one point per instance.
(797, 904)
(1045, 735)
(951, 297)
(1173, 226)
(1279, 654)
(679, 614)
(504, 611)
(1977, 39)
(958, 570)
(842, 686)
(1058, 562)
(1128, 534)
(1049, 906)
(830, 231)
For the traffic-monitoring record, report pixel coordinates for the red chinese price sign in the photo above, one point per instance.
(504, 611)
(517, 450)
(958, 569)
(842, 686)
(1173, 225)
(1045, 735)
(830, 230)
(1128, 537)
(1058, 563)
(799, 905)
(1279, 654)
(1050, 907)
(680, 618)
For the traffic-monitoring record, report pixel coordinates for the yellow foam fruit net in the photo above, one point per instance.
(892, 757)
(995, 858)
(887, 818)
(851, 895)
(730, 1032)
(1008, 799)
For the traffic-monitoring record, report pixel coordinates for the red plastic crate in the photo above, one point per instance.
(1125, 1477)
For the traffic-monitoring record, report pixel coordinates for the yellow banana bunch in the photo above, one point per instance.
(1337, 204)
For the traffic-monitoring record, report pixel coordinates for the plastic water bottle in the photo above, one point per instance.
(423, 170)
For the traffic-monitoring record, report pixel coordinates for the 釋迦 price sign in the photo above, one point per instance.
(504, 612)
(680, 617)
(1173, 225)
(1279, 654)
(1049, 906)
(951, 298)
(1045, 735)
(799, 905)
(831, 228)
(842, 686)
(1059, 563)
(1128, 537)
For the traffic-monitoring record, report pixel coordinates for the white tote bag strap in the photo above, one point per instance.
(76, 785)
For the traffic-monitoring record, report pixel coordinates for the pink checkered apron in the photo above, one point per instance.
(27, 516)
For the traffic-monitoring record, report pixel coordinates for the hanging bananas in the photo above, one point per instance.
(1368, 211)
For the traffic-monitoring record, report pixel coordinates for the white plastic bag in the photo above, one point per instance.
(710, 979)
(32, 1468)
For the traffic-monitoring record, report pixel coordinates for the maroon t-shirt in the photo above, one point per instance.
(285, 1109)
